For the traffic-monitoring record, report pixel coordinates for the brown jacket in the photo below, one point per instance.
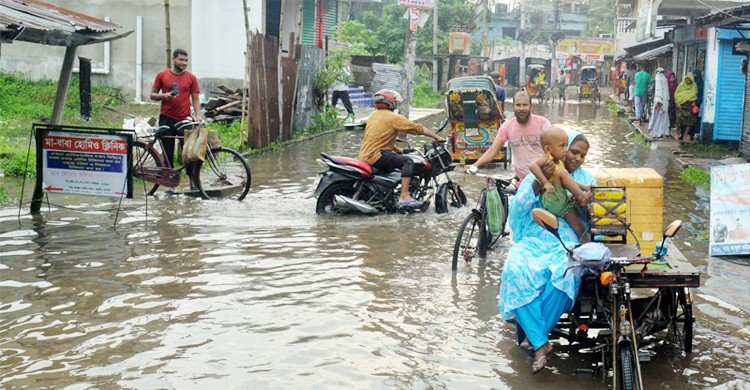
(380, 133)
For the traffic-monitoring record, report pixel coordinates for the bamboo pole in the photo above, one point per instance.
(169, 33)
(246, 77)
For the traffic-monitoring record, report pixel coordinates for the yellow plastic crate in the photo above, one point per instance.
(645, 200)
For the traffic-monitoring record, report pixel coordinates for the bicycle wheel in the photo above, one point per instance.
(470, 239)
(146, 163)
(223, 174)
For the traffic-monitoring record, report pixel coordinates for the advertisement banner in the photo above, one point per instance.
(413, 19)
(85, 163)
(730, 210)
(421, 4)
(645, 28)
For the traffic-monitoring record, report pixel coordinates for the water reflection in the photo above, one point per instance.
(264, 293)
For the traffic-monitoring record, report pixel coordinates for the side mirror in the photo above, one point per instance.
(673, 228)
(546, 220)
(443, 123)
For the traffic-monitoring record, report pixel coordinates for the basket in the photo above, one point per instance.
(608, 212)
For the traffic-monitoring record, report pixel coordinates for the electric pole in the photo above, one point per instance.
(484, 27)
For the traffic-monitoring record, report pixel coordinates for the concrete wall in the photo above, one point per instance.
(212, 31)
(710, 77)
(44, 62)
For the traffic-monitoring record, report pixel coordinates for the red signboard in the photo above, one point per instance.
(421, 4)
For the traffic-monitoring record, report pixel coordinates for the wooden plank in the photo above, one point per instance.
(288, 85)
(272, 88)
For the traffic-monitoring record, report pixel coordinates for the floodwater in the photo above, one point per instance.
(265, 294)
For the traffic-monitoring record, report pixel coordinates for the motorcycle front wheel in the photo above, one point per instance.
(325, 200)
(449, 194)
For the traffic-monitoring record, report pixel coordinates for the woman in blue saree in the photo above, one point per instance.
(534, 288)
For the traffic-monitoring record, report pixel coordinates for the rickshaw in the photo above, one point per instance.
(634, 285)
(587, 87)
(534, 86)
(475, 117)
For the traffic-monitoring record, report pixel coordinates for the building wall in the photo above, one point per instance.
(709, 79)
(218, 37)
(44, 62)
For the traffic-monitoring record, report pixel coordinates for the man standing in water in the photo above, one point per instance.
(176, 88)
(522, 134)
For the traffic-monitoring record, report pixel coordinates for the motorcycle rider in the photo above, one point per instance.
(379, 148)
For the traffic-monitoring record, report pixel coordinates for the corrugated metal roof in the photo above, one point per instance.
(39, 22)
(39, 15)
(653, 53)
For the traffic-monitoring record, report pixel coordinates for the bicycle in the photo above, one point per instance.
(474, 237)
(223, 173)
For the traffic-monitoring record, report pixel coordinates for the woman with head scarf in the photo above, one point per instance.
(658, 126)
(535, 289)
(684, 98)
(698, 78)
(672, 81)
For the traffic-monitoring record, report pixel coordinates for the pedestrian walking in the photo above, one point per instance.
(658, 126)
(685, 97)
(672, 81)
(641, 81)
(341, 91)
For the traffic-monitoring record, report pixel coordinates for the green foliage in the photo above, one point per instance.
(13, 160)
(328, 119)
(703, 236)
(334, 69)
(23, 102)
(708, 150)
(359, 36)
(229, 134)
(696, 176)
(612, 105)
(4, 199)
(423, 94)
(600, 17)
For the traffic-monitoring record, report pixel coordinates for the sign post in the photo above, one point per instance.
(414, 7)
(730, 210)
(84, 161)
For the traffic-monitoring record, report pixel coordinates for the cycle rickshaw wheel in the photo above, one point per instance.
(686, 318)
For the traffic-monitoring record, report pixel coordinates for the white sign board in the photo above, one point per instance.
(421, 4)
(84, 163)
(730, 210)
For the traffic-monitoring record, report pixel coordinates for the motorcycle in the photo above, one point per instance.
(351, 185)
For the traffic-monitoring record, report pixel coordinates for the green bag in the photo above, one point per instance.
(495, 212)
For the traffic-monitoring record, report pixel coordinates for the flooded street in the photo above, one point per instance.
(266, 294)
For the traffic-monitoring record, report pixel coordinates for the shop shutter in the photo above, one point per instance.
(730, 94)
(308, 22)
(330, 18)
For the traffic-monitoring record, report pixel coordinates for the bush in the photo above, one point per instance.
(423, 95)
(696, 176)
(13, 161)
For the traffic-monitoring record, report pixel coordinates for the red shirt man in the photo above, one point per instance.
(176, 89)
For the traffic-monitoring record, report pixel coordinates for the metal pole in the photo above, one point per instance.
(435, 30)
(62, 85)
(484, 28)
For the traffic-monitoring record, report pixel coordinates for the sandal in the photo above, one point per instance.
(411, 203)
(538, 365)
(526, 345)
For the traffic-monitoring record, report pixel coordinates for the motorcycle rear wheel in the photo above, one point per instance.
(325, 200)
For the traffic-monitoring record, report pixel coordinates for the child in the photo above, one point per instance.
(554, 196)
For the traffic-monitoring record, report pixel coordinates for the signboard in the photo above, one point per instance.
(645, 27)
(84, 161)
(730, 210)
(421, 4)
(586, 47)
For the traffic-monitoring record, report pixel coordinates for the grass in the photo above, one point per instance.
(612, 105)
(708, 150)
(696, 176)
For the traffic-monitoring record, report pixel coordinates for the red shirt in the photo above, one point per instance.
(185, 84)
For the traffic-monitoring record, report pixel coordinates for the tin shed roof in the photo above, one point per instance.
(39, 22)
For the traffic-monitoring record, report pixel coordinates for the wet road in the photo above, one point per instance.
(265, 294)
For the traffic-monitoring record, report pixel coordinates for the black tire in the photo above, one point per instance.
(325, 200)
(144, 157)
(469, 240)
(223, 174)
(448, 195)
(687, 322)
(627, 374)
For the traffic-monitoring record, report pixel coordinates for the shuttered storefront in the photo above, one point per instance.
(745, 143)
(730, 90)
(316, 26)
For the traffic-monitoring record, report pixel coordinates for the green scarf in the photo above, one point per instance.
(686, 93)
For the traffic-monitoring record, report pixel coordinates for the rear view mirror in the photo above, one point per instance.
(673, 228)
(443, 123)
(546, 220)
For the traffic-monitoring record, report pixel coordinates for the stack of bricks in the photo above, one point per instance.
(645, 193)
